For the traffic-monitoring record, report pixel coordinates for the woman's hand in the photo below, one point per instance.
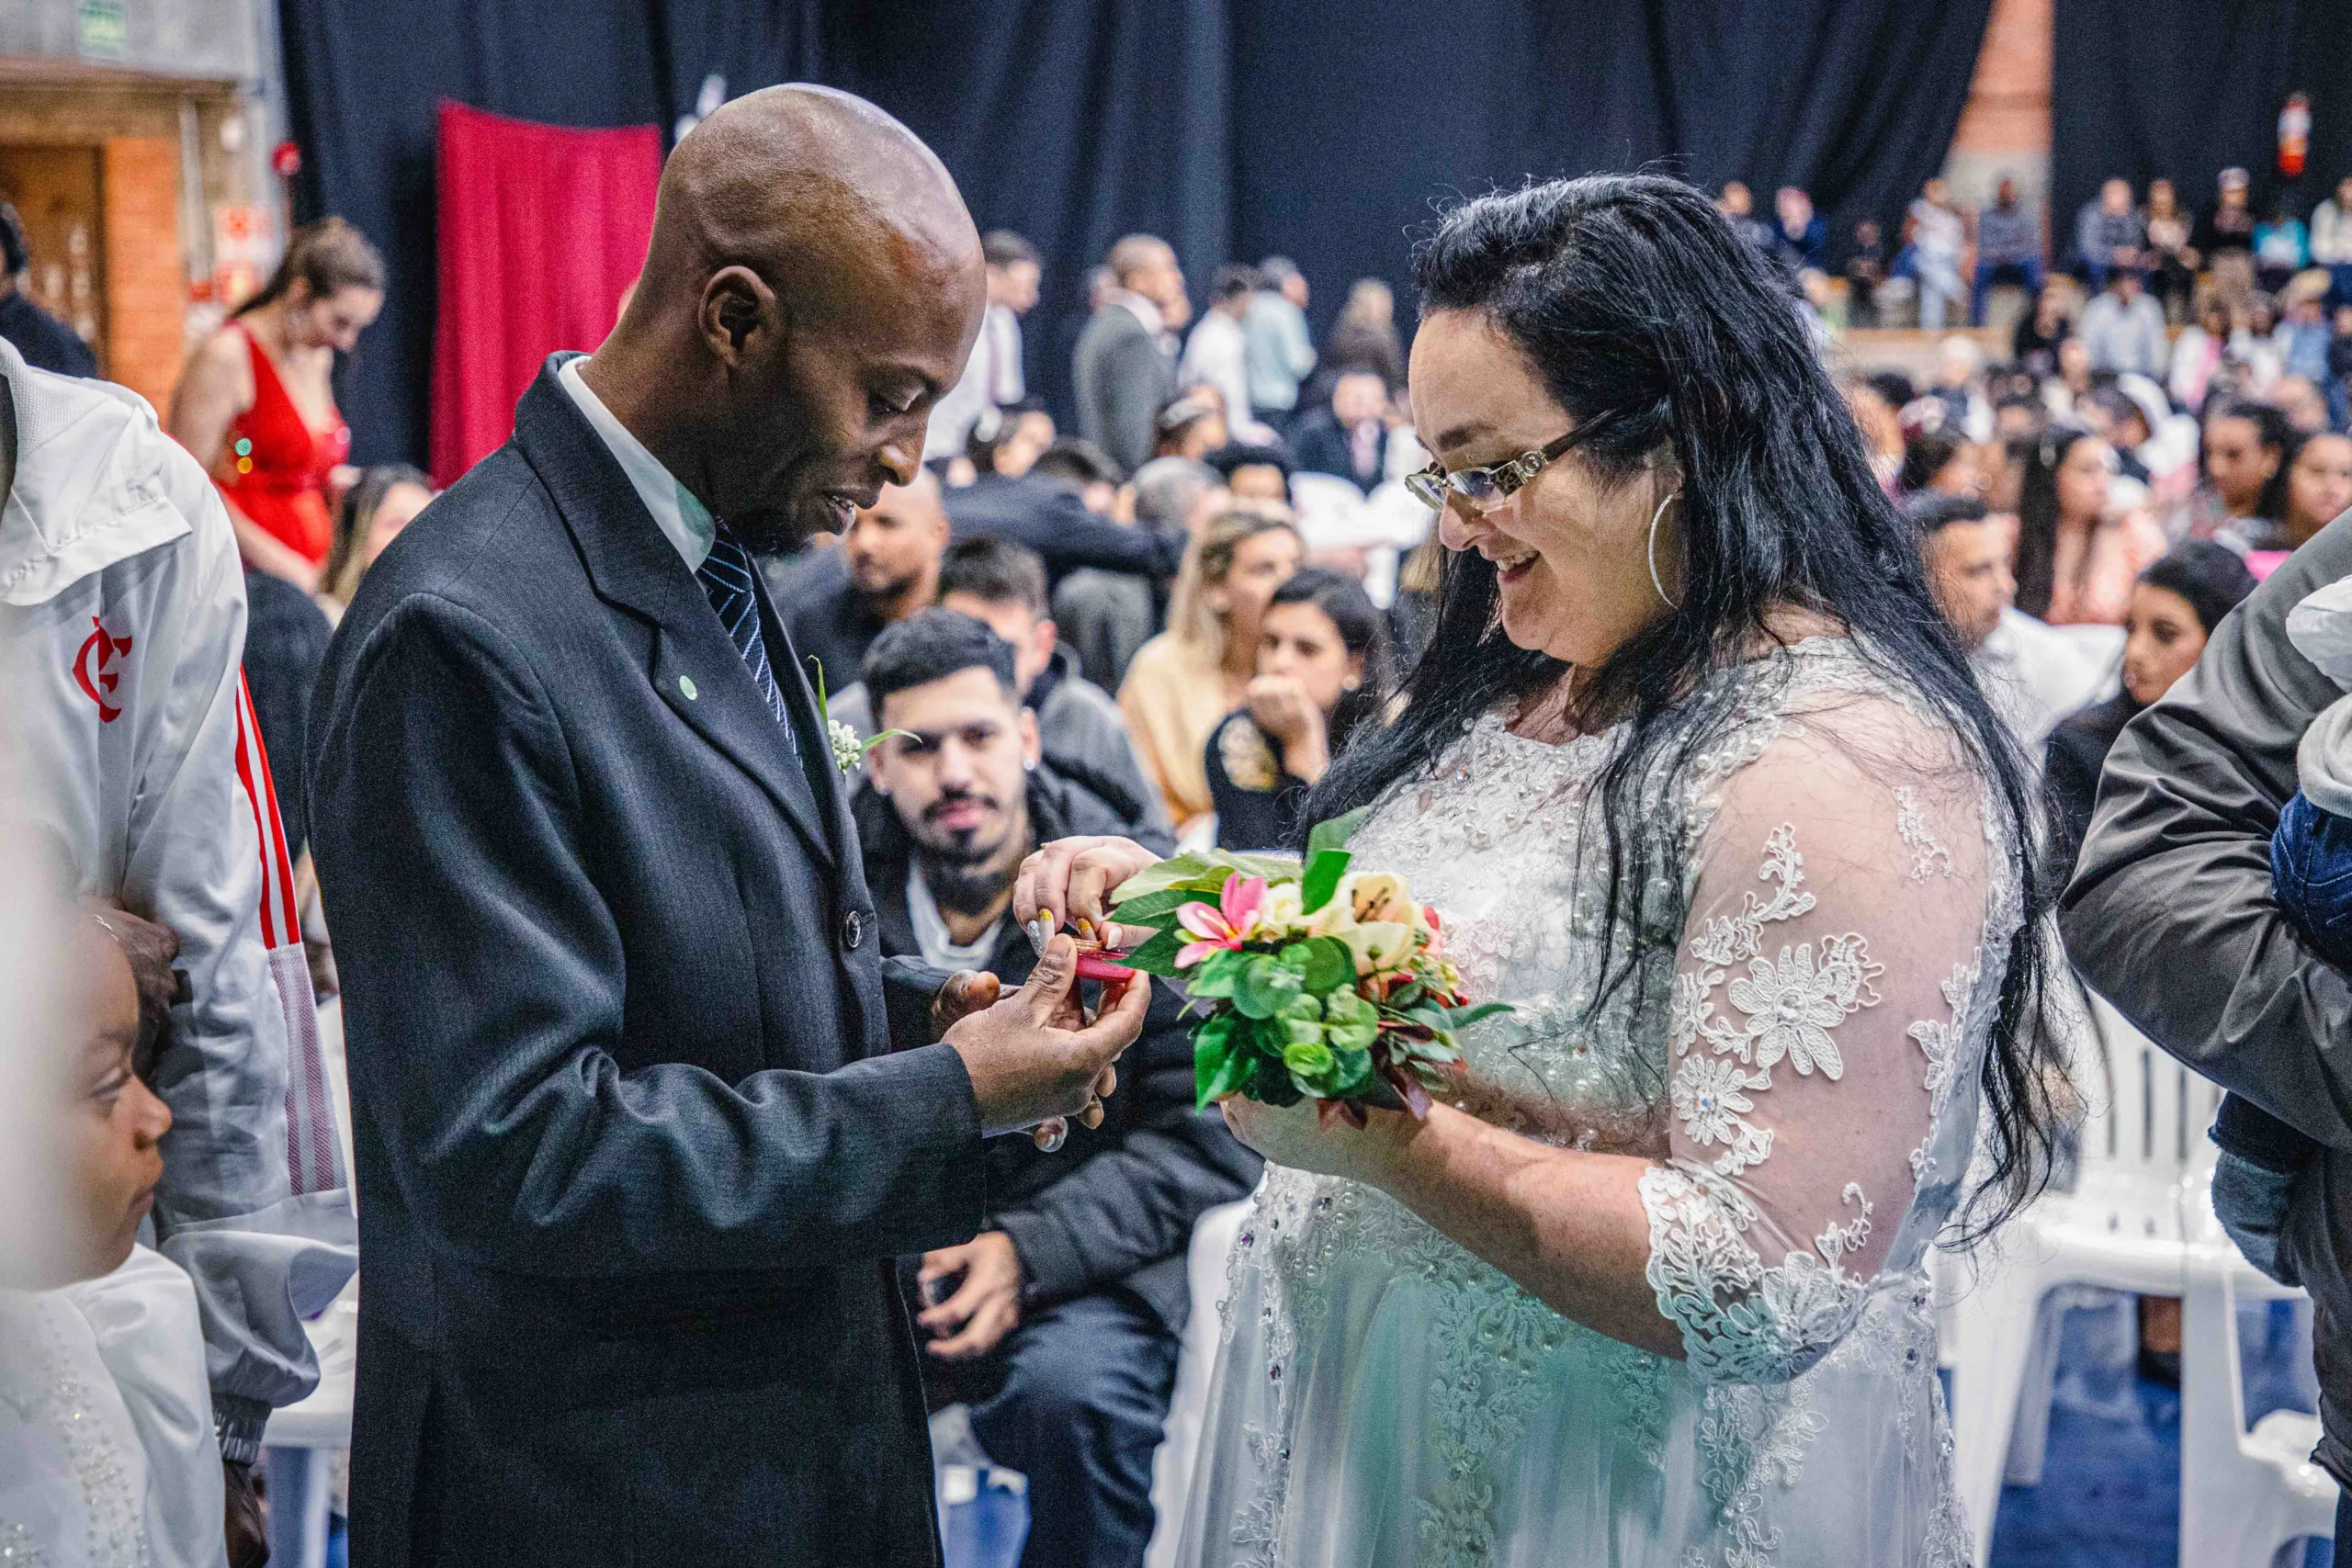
(1278, 705)
(1302, 1137)
(1283, 709)
(1072, 879)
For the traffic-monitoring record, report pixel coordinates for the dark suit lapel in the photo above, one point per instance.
(831, 802)
(694, 667)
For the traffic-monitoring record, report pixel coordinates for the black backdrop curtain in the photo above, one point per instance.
(1348, 137)
(1233, 127)
(2185, 88)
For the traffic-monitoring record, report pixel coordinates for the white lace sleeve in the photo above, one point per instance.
(1837, 892)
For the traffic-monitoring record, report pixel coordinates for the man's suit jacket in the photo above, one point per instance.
(1124, 380)
(1052, 520)
(633, 1153)
(1320, 446)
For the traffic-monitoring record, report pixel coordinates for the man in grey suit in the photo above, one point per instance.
(635, 1151)
(1124, 369)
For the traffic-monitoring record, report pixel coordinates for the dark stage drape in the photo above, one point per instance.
(1348, 135)
(363, 80)
(1328, 134)
(2185, 88)
(1070, 121)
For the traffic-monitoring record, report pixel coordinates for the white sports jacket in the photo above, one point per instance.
(123, 628)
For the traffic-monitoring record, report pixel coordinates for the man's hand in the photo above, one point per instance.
(968, 991)
(246, 1530)
(986, 1305)
(1027, 1056)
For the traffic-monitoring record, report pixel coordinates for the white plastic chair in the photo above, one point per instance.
(1171, 1466)
(2139, 1219)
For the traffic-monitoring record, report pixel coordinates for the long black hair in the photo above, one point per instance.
(1643, 311)
(1362, 632)
(2038, 516)
(2273, 434)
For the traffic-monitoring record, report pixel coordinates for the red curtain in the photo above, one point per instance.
(542, 229)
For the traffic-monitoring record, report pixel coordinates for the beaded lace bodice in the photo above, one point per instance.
(1795, 1040)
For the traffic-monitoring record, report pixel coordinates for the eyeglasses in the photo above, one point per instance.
(1477, 489)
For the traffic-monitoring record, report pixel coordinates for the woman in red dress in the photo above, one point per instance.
(256, 403)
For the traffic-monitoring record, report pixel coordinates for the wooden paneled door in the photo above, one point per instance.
(55, 191)
(102, 222)
(146, 288)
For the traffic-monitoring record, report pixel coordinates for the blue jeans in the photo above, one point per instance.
(1085, 1395)
(2026, 274)
(2311, 875)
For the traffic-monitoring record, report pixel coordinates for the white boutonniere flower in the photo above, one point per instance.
(849, 752)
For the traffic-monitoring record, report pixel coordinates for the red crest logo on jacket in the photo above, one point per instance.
(94, 669)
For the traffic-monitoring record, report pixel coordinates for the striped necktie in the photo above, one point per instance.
(726, 579)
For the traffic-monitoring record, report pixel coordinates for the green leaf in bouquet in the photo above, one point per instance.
(1222, 1060)
(1350, 1022)
(1156, 954)
(1216, 977)
(1309, 1061)
(1156, 878)
(1155, 908)
(1203, 871)
(1335, 833)
(1463, 1017)
(1350, 1072)
(1273, 1082)
(1266, 983)
(1324, 871)
(1325, 965)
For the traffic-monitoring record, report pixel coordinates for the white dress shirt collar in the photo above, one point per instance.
(1145, 310)
(686, 522)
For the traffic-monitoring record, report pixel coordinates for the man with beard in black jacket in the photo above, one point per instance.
(1058, 1322)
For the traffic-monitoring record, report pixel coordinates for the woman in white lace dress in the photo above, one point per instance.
(1704, 788)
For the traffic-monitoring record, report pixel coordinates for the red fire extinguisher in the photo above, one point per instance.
(2294, 136)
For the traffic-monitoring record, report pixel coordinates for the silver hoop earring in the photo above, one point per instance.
(1669, 601)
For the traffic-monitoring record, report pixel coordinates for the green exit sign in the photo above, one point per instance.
(103, 32)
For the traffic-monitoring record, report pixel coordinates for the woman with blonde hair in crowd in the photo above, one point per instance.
(1183, 682)
(382, 502)
(256, 403)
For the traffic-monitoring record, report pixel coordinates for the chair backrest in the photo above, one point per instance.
(2151, 1120)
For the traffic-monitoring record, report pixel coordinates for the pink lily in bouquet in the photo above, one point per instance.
(1225, 925)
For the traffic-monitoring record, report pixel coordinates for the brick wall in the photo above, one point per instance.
(2006, 127)
(145, 289)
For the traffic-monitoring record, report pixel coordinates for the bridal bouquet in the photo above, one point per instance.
(1320, 981)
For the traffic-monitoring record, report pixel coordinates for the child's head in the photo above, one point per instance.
(121, 973)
